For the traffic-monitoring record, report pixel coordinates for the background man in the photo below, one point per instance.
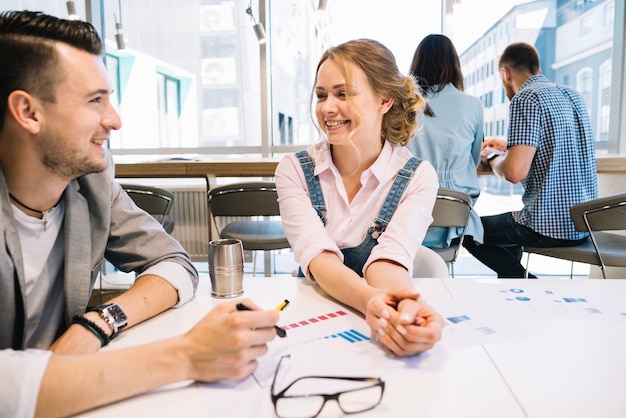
(549, 149)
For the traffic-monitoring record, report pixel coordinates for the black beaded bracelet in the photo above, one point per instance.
(91, 326)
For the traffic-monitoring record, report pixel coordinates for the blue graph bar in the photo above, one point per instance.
(358, 334)
(352, 336)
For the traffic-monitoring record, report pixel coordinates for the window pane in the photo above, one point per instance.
(300, 33)
(574, 40)
(210, 50)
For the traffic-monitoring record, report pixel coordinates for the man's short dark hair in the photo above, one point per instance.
(520, 57)
(28, 58)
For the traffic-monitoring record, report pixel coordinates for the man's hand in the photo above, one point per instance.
(498, 144)
(226, 342)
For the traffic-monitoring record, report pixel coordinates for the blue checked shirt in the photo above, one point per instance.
(552, 118)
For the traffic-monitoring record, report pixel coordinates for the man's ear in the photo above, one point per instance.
(385, 104)
(506, 74)
(25, 110)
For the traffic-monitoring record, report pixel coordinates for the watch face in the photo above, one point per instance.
(117, 313)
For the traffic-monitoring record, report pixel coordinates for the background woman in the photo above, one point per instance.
(451, 132)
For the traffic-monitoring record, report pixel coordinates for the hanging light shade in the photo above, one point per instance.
(259, 31)
(119, 40)
(71, 11)
(119, 36)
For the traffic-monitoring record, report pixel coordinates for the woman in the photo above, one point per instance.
(451, 133)
(331, 193)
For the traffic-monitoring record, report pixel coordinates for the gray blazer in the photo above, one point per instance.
(100, 221)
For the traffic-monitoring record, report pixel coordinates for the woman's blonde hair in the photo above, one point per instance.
(379, 65)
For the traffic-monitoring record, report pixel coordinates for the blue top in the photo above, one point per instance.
(451, 142)
(553, 118)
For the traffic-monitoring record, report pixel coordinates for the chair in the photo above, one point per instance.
(427, 263)
(256, 201)
(601, 248)
(157, 202)
(452, 210)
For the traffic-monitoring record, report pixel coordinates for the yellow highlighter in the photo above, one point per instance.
(282, 305)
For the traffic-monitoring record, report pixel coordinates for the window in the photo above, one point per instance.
(169, 110)
(219, 79)
(584, 86)
(586, 25)
(604, 102)
(609, 14)
(285, 127)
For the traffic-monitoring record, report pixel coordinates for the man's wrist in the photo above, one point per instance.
(113, 315)
(96, 318)
(93, 328)
(492, 156)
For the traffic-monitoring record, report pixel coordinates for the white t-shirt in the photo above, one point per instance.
(42, 250)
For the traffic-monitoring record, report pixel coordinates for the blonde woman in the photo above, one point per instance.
(356, 205)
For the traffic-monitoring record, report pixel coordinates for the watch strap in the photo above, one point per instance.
(492, 156)
(93, 327)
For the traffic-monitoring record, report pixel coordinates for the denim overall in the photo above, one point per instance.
(355, 257)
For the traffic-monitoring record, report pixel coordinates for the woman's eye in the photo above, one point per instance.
(321, 96)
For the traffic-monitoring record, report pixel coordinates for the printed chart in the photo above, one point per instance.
(337, 343)
(339, 323)
(553, 299)
(505, 307)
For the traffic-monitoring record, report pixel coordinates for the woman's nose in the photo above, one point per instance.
(329, 106)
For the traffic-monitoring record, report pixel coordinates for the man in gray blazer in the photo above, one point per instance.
(62, 214)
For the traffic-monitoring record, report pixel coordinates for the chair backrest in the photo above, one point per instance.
(156, 201)
(244, 199)
(452, 208)
(603, 214)
(427, 263)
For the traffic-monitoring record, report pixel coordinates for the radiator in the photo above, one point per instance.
(191, 227)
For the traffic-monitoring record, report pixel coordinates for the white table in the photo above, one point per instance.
(513, 348)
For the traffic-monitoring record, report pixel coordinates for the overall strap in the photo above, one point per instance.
(392, 200)
(313, 184)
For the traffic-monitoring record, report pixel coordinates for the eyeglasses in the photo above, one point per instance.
(302, 401)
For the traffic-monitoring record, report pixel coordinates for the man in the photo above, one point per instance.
(62, 213)
(549, 149)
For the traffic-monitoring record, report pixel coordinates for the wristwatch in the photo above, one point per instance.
(492, 156)
(114, 315)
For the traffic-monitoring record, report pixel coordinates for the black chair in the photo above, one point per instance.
(257, 204)
(156, 201)
(601, 248)
(452, 210)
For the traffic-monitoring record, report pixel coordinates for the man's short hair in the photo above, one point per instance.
(520, 57)
(28, 58)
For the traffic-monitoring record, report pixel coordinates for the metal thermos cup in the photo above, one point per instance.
(226, 268)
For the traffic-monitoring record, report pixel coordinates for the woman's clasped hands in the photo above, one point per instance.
(402, 322)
